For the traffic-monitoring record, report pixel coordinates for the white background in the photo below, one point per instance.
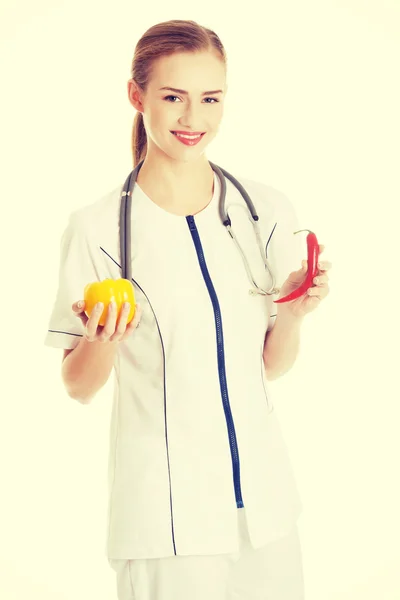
(313, 110)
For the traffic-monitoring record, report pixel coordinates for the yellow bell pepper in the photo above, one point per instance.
(106, 291)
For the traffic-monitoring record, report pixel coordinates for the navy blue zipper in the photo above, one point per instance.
(221, 362)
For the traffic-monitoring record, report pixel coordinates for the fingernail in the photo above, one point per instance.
(80, 304)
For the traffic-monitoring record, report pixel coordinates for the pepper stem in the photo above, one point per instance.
(300, 230)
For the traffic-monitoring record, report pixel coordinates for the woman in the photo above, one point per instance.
(203, 503)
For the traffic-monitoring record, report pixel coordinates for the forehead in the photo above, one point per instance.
(190, 71)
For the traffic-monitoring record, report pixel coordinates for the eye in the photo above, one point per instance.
(215, 99)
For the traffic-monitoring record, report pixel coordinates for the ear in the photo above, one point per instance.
(135, 95)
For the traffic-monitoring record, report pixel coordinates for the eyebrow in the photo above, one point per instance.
(178, 91)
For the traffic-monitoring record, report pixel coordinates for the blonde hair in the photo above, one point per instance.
(161, 40)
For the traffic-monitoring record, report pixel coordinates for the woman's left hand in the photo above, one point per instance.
(312, 298)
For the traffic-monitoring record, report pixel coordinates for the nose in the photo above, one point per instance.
(190, 117)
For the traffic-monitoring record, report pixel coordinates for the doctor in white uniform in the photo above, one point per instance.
(203, 503)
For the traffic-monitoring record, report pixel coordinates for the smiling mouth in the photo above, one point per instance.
(188, 136)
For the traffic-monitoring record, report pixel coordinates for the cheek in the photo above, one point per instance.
(159, 114)
(217, 116)
(156, 122)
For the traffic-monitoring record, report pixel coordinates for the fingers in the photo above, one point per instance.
(79, 308)
(123, 330)
(115, 329)
(108, 333)
(91, 333)
(320, 291)
(323, 265)
(134, 324)
(321, 280)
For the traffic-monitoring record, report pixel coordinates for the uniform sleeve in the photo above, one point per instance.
(285, 250)
(76, 269)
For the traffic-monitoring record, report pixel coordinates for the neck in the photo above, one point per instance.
(175, 178)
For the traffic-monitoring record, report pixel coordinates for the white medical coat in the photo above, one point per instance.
(193, 435)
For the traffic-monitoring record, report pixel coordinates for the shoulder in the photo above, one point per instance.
(94, 219)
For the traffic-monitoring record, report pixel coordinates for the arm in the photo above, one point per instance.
(282, 345)
(86, 368)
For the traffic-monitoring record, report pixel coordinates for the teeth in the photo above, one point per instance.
(188, 137)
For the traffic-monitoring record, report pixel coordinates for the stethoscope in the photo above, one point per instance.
(125, 226)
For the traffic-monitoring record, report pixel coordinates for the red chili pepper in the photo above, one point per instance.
(312, 268)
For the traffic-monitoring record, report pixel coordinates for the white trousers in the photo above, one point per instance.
(273, 572)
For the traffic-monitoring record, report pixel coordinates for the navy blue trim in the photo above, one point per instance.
(266, 253)
(165, 400)
(221, 361)
(269, 239)
(66, 332)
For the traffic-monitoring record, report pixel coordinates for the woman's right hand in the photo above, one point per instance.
(111, 331)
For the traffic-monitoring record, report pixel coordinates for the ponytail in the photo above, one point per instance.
(139, 139)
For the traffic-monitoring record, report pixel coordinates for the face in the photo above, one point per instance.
(166, 111)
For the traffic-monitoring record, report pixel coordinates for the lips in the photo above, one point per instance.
(189, 132)
(192, 140)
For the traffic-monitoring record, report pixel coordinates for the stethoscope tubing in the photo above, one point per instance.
(125, 223)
